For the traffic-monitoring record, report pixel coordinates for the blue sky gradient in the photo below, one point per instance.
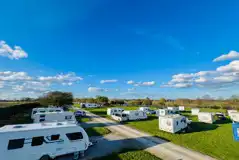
(137, 40)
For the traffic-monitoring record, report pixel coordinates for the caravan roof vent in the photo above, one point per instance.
(18, 126)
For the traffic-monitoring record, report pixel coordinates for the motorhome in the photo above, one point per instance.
(164, 112)
(44, 110)
(89, 105)
(173, 123)
(80, 113)
(113, 111)
(42, 141)
(206, 117)
(147, 110)
(195, 111)
(234, 116)
(173, 109)
(54, 117)
(181, 108)
(130, 115)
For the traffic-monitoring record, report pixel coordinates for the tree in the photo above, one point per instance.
(57, 98)
(101, 99)
(90, 100)
(162, 101)
(147, 102)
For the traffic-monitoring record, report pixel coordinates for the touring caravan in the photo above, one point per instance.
(181, 108)
(42, 141)
(231, 111)
(130, 115)
(234, 116)
(147, 110)
(164, 112)
(54, 117)
(206, 117)
(173, 123)
(44, 110)
(113, 111)
(173, 109)
(89, 105)
(195, 111)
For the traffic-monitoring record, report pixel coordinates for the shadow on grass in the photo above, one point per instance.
(200, 127)
(226, 121)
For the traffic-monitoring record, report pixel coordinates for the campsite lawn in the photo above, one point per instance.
(97, 131)
(129, 155)
(215, 140)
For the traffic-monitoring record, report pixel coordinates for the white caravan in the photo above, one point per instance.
(147, 110)
(234, 116)
(195, 111)
(42, 141)
(54, 117)
(231, 111)
(130, 115)
(173, 109)
(206, 117)
(164, 112)
(89, 105)
(44, 110)
(173, 123)
(113, 111)
(181, 108)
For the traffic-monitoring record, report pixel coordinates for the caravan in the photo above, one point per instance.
(231, 111)
(173, 123)
(54, 117)
(173, 109)
(44, 110)
(42, 141)
(181, 108)
(206, 117)
(164, 112)
(113, 111)
(89, 105)
(195, 111)
(234, 116)
(147, 110)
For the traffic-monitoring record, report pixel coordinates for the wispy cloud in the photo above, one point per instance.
(96, 89)
(109, 81)
(12, 53)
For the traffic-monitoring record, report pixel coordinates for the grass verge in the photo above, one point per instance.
(97, 131)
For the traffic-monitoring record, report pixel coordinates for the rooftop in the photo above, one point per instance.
(35, 126)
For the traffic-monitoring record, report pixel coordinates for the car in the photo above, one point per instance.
(149, 111)
(80, 113)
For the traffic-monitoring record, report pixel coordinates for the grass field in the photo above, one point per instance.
(129, 155)
(212, 139)
(97, 131)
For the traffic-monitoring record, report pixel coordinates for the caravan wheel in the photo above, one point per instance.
(45, 157)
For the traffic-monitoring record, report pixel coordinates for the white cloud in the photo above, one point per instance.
(130, 82)
(1, 84)
(95, 89)
(18, 88)
(131, 89)
(231, 55)
(231, 67)
(152, 83)
(13, 76)
(12, 53)
(64, 79)
(108, 81)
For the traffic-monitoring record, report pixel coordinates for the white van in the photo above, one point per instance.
(42, 141)
(181, 108)
(44, 110)
(54, 117)
(195, 111)
(113, 111)
(206, 117)
(173, 123)
(89, 105)
(130, 115)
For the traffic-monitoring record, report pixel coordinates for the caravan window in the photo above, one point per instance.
(136, 114)
(15, 143)
(42, 116)
(37, 141)
(42, 120)
(74, 136)
(68, 117)
(58, 110)
(34, 112)
(55, 137)
(42, 111)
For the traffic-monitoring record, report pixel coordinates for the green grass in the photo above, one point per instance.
(215, 140)
(97, 131)
(129, 155)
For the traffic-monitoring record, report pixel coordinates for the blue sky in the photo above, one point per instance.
(73, 45)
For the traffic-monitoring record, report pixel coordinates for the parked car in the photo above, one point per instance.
(80, 113)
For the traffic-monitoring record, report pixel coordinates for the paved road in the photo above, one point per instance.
(156, 146)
